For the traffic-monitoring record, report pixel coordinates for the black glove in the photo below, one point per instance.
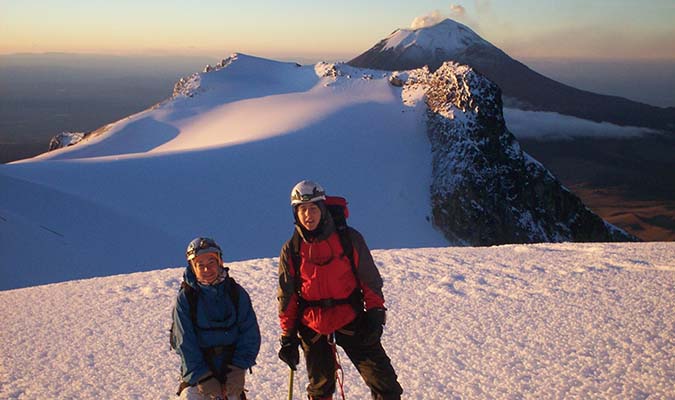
(375, 320)
(288, 352)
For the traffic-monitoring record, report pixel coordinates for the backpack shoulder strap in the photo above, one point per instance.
(295, 258)
(348, 249)
(356, 298)
(337, 207)
(234, 296)
(191, 295)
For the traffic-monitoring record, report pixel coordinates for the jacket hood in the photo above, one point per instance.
(189, 276)
(326, 226)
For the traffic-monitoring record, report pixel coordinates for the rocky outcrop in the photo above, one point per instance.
(65, 139)
(191, 85)
(485, 189)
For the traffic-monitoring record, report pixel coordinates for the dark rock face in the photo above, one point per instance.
(485, 190)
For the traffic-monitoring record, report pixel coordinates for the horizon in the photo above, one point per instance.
(647, 50)
(523, 29)
(149, 79)
(314, 58)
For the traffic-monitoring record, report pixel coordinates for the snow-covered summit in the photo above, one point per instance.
(407, 49)
(448, 35)
(239, 67)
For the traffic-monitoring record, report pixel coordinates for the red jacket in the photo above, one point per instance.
(326, 273)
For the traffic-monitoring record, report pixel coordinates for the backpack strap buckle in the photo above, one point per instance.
(327, 303)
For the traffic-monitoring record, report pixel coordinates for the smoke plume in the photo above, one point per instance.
(428, 20)
(457, 11)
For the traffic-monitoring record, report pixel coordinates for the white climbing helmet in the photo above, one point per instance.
(307, 192)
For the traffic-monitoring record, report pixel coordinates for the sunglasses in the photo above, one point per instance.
(307, 196)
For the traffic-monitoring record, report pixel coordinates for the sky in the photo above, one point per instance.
(304, 29)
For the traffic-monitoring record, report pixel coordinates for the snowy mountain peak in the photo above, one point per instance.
(448, 35)
(238, 66)
(407, 49)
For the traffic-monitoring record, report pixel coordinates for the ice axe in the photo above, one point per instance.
(290, 384)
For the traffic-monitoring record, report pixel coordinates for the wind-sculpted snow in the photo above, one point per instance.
(221, 164)
(548, 321)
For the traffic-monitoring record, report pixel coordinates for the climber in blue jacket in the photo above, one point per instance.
(215, 330)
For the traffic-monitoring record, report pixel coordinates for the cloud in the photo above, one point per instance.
(428, 20)
(457, 11)
(550, 126)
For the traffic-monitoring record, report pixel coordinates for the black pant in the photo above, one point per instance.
(366, 353)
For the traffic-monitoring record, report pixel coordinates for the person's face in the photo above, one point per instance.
(206, 267)
(309, 215)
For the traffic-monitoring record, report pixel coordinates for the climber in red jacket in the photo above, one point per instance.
(330, 292)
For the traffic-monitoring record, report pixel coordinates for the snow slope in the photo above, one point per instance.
(448, 35)
(219, 159)
(547, 321)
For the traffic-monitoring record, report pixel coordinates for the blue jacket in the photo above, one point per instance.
(214, 310)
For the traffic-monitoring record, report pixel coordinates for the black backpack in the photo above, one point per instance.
(191, 295)
(337, 207)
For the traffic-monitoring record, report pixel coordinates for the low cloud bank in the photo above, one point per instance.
(548, 126)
